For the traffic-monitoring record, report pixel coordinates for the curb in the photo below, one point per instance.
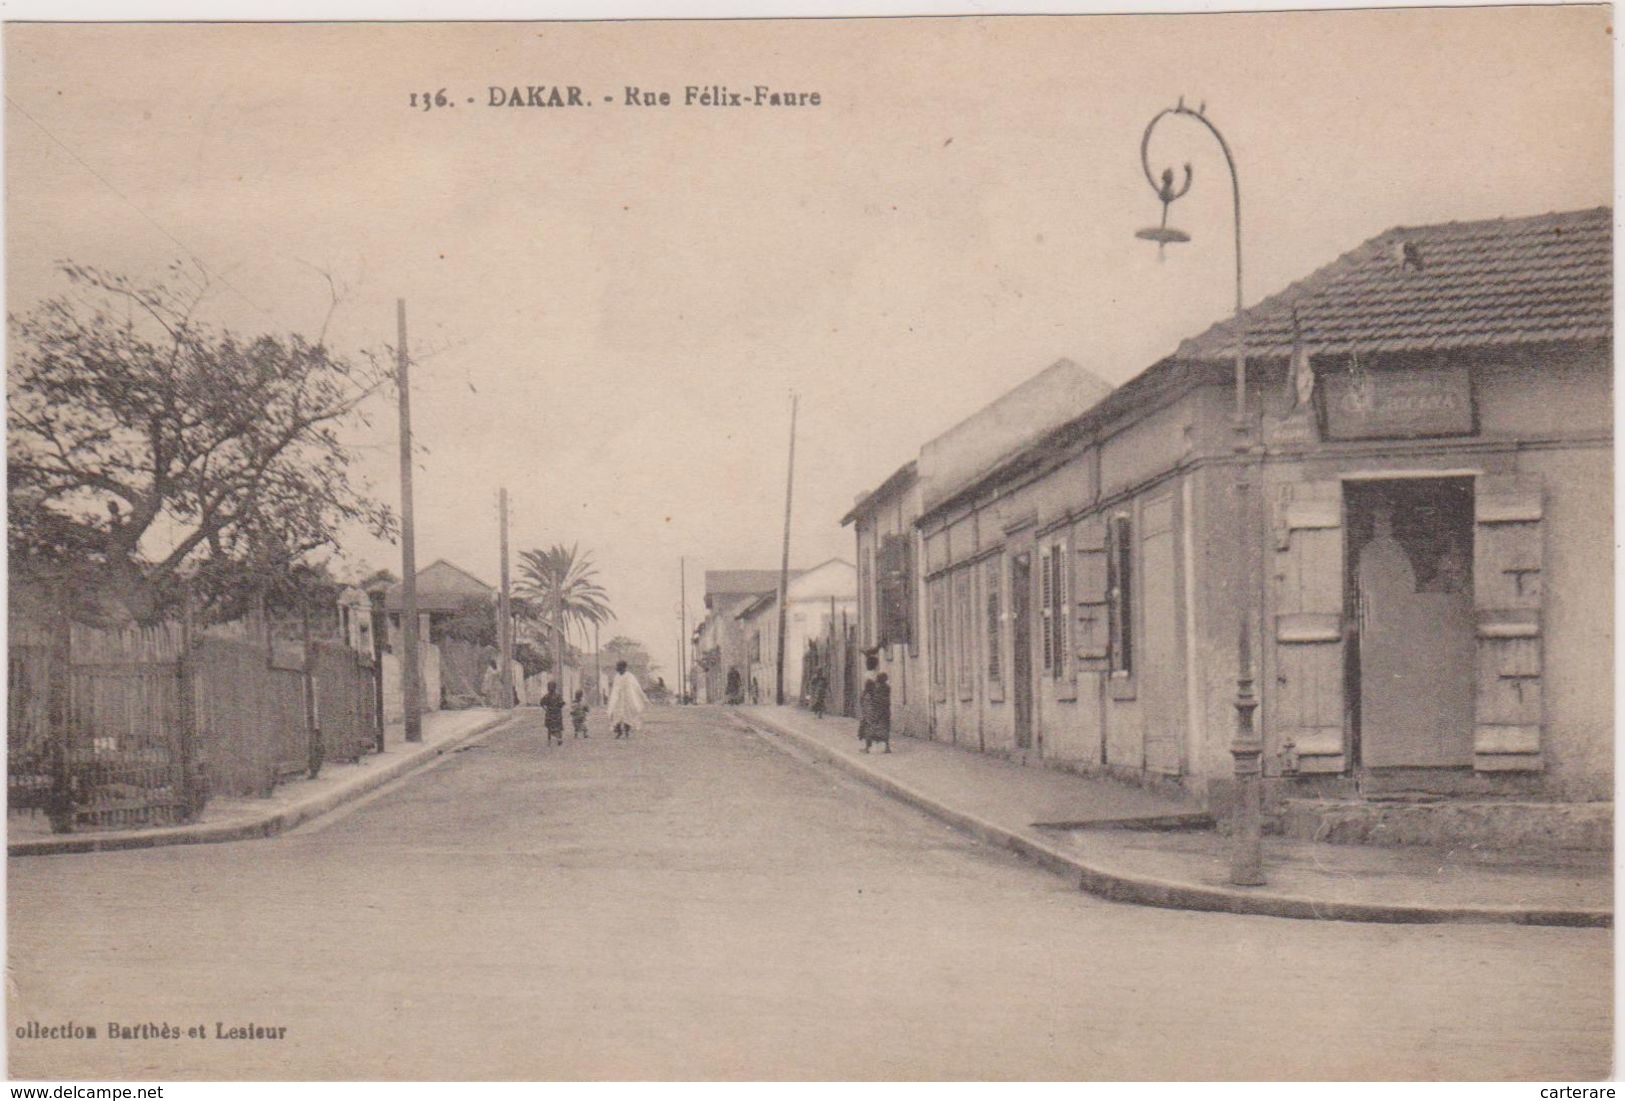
(1172, 894)
(266, 825)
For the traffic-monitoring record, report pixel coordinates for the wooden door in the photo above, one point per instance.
(1021, 646)
(1414, 609)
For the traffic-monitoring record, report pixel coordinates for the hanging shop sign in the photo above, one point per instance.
(1385, 404)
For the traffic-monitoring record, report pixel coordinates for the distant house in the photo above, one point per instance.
(442, 589)
(720, 639)
(815, 598)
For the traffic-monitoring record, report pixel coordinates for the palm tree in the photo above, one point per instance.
(561, 584)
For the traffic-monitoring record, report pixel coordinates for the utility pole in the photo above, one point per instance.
(558, 622)
(504, 608)
(784, 562)
(409, 564)
(682, 630)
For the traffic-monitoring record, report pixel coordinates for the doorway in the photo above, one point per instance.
(1021, 651)
(1409, 603)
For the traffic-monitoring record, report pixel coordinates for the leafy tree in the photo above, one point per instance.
(475, 621)
(142, 441)
(377, 579)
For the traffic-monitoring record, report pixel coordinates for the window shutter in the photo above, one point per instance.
(1508, 555)
(1309, 625)
(911, 585)
(993, 597)
(1089, 587)
(1046, 600)
(1066, 674)
(964, 635)
(894, 582)
(939, 640)
(1120, 594)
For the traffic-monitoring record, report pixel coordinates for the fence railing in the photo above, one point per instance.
(138, 726)
(837, 659)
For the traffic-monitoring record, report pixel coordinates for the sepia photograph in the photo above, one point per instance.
(936, 547)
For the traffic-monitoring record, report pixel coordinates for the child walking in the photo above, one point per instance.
(553, 714)
(578, 715)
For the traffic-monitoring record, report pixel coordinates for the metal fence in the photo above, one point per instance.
(137, 726)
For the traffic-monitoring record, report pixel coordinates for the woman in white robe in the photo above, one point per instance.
(626, 702)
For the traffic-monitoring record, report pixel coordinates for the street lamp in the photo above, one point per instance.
(1246, 747)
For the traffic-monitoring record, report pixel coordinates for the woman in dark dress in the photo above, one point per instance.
(875, 707)
(553, 713)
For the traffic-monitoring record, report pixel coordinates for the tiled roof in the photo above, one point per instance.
(1503, 281)
(441, 587)
(743, 582)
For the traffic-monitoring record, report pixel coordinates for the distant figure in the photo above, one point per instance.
(491, 685)
(553, 714)
(733, 686)
(819, 690)
(578, 715)
(626, 702)
(875, 709)
(755, 693)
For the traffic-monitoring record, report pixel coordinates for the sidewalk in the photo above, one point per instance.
(1005, 804)
(237, 819)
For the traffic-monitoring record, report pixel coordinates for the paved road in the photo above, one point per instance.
(695, 904)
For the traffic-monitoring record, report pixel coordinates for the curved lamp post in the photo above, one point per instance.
(1246, 747)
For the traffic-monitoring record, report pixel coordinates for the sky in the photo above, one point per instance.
(609, 306)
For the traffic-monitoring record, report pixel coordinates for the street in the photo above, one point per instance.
(694, 903)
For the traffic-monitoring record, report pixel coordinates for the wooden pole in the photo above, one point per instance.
(380, 626)
(409, 565)
(682, 630)
(307, 680)
(504, 612)
(784, 562)
(192, 789)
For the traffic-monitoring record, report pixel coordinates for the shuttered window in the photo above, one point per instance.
(1046, 608)
(939, 639)
(990, 578)
(866, 603)
(895, 583)
(1120, 592)
(1091, 589)
(1059, 586)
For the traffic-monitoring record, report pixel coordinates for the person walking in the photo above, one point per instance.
(553, 714)
(875, 707)
(819, 692)
(626, 702)
(578, 715)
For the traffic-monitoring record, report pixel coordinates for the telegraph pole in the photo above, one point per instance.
(784, 562)
(409, 565)
(682, 630)
(504, 608)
